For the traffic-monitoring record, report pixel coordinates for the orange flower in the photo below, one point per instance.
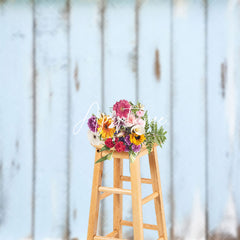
(104, 128)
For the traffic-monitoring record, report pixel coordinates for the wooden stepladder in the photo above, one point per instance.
(100, 192)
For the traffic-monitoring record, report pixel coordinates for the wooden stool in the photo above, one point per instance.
(99, 192)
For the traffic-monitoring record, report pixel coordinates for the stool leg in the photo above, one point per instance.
(136, 199)
(155, 174)
(95, 198)
(117, 198)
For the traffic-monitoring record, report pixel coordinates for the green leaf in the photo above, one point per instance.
(106, 157)
(104, 148)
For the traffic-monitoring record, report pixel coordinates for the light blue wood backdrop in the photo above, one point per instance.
(181, 58)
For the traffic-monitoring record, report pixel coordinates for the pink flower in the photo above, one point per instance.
(140, 122)
(140, 113)
(131, 120)
(122, 108)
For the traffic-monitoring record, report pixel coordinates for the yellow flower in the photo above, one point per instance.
(137, 139)
(104, 122)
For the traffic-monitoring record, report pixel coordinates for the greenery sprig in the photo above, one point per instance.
(154, 134)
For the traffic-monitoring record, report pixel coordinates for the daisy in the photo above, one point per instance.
(94, 138)
(105, 127)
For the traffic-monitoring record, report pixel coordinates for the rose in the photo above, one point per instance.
(138, 129)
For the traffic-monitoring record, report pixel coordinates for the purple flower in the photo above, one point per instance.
(92, 123)
(136, 148)
(126, 148)
(127, 140)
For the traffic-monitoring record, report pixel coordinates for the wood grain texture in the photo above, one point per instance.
(118, 49)
(136, 199)
(117, 199)
(154, 36)
(188, 120)
(85, 57)
(16, 125)
(95, 198)
(51, 217)
(157, 188)
(223, 120)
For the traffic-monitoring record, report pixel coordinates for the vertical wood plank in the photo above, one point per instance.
(233, 108)
(85, 42)
(188, 120)
(154, 91)
(16, 120)
(120, 59)
(51, 220)
(119, 83)
(223, 119)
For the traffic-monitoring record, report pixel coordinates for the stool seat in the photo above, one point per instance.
(100, 192)
(123, 155)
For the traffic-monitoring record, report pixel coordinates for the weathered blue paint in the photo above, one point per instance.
(85, 87)
(51, 201)
(188, 120)
(156, 51)
(15, 121)
(218, 149)
(154, 93)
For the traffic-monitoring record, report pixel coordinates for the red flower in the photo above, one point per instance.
(120, 147)
(109, 143)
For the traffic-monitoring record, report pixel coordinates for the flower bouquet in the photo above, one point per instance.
(126, 130)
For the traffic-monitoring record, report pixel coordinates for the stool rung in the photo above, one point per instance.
(149, 198)
(112, 234)
(105, 238)
(104, 195)
(143, 180)
(146, 226)
(115, 190)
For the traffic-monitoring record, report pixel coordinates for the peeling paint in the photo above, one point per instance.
(77, 84)
(3, 1)
(133, 61)
(221, 236)
(157, 66)
(75, 214)
(238, 232)
(223, 77)
(66, 10)
(17, 145)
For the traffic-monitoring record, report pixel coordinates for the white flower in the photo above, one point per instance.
(138, 129)
(94, 138)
